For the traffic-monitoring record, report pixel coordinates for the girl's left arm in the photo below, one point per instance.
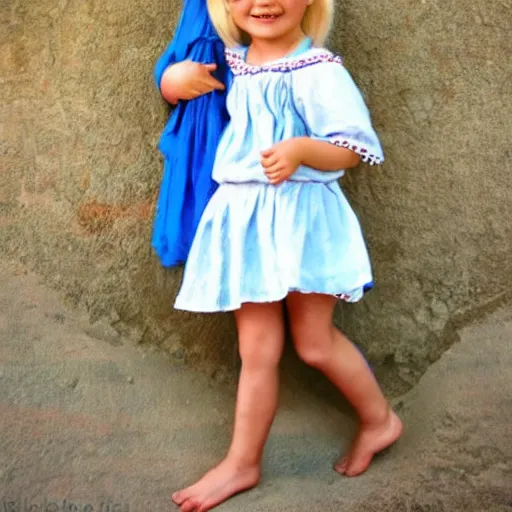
(325, 156)
(281, 160)
(339, 127)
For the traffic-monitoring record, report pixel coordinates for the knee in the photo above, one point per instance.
(315, 350)
(314, 356)
(263, 350)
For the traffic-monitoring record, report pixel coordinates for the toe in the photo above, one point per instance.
(190, 505)
(212, 501)
(358, 465)
(341, 465)
(179, 497)
(339, 469)
(205, 507)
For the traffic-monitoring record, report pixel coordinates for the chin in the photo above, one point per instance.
(267, 33)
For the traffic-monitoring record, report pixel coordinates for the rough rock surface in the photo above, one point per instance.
(80, 118)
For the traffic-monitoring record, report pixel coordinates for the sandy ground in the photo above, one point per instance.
(89, 422)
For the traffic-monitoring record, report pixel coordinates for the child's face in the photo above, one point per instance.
(270, 20)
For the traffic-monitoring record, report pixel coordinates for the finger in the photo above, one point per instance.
(275, 178)
(267, 152)
(197, 91)
(276, 181)
(274, 169)
(269, 161)
(210, 82)
(214, 83)
(204, 88)
(193, 94)
(209, 79)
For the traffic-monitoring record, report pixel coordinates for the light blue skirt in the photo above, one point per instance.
(257, 242)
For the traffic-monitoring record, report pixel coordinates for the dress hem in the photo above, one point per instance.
(352, 297)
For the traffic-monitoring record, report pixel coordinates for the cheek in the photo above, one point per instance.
(299, 5)
(239, 16)
(298, 8)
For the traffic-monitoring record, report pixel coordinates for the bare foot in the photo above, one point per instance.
(369, 441)
(218, 485)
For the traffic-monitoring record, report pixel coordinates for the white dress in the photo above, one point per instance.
(256, 242)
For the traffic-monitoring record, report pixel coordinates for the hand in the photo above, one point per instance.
(281, 160)
(187, 80)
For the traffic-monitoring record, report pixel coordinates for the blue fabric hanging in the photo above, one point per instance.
(190, 138)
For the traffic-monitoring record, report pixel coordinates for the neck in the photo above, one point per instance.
(265, 50)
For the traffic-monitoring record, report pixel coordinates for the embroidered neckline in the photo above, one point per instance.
(236, 61)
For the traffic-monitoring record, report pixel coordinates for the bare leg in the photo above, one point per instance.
(322, 346)
(261, 340)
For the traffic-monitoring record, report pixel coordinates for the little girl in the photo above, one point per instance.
(278, 228)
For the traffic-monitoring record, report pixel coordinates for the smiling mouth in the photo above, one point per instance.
(266, 16)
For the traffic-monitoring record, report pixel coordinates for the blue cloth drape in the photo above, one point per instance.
(190, 138)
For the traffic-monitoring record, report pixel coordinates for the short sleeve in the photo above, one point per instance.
(333, 108)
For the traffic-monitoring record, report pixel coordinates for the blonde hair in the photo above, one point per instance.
(315, 24)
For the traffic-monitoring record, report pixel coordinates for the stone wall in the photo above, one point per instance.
(438, 216)
(80, 118)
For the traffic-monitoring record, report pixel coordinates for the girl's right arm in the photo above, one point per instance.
(188, 80)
